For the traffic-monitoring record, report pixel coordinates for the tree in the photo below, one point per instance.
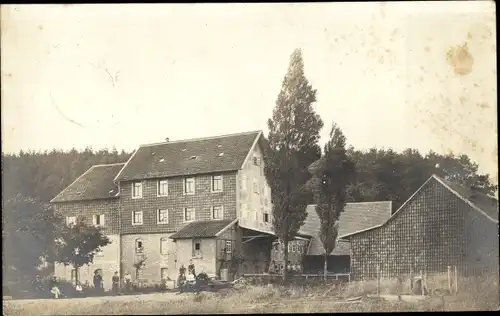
(78, 244)
(331, 176)
(292, 147)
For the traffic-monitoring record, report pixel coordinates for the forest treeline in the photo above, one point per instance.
(31, 179)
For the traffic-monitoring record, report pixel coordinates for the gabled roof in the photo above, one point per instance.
(483, 204)
(94, 184)
(189, 157)
(356, 216)
(479, 201)
(203, 229)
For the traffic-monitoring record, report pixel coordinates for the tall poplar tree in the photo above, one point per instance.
(332, 174)
(293, 145)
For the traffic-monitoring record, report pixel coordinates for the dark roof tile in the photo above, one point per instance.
(189, 157)
(96, 183)
(356, 217)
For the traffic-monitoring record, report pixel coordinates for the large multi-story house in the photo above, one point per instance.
(204, 201)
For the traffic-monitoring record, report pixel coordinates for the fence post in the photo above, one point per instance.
(422, 282)
(411, 280)
(456, 280)
(449, 279)
(378, 279)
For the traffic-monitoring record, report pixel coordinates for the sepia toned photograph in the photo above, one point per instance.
(249, 158)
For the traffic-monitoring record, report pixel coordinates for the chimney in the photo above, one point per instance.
(167, 139)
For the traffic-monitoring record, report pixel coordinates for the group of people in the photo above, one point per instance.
(79, 289)
(191, 273)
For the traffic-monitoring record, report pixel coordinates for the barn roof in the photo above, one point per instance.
(94, 184)
(480, 202)
(356, 216)
(189, 157)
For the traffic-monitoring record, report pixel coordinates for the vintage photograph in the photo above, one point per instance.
(249, 158)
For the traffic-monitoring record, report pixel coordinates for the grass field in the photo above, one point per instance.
(480, 296)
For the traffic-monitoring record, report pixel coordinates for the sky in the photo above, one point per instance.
(391, 75)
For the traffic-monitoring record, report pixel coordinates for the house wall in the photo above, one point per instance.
(253, 205)
(225, 259)
(482, 243)
(297, 249)
(155, 260)
(427, 234)
(206, 263)
(108, 261)
(175, 202)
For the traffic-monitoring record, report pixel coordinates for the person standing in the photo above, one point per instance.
(191, 268)
(97, 280)
(55, 287)
(115, 281)
(127, 279)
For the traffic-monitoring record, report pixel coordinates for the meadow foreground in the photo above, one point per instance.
(254, 299)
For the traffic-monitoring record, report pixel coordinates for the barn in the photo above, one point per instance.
(442, 224)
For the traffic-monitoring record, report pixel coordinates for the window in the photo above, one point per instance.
(290, 247)
(98, 220)
(162, 188)
(71, 220)
(229, 246)
(217, 212)
(256, 187)
(266, 217)
(137, 218)
(73, 275)
(189, 214)
(162, 216)
(256, 215)
(256, 161)
(139, 245)
(164, 246)
(189, 186)
(294, 247)
(217, 184)
(137, 190)
(196, 248)
(164, 273)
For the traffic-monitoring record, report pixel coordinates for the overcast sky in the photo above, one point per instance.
(123, 75)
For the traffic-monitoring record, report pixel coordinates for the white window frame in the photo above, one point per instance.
(70, 221)
(256, 189)
(133, 218)
(229, 246)
(257, 161)
(184, 212)
(101, 220)
(197, 253)
(133, 190)
(185, 181)
(219, 178)
(221, 207)
(159, 184)
(164, 246)
(137, 248)
(158, 212)
(268, 217)
(294, 246)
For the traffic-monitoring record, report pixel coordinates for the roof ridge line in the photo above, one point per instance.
(109, 164)
(199, 138)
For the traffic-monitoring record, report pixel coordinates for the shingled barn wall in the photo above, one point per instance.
(426, 234)
(175, 202)
(109, 260)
